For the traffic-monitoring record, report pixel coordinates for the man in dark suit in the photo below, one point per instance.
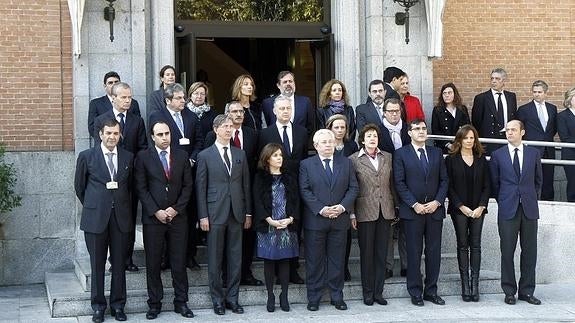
(164, 185)
(103, 183)
(493, 108)
(391, 82)
(328, 188)
(132, 138)
(294, 139)
(185, 133)
(540, 121)
(516, 179)
(303, 112)
(103, 104)
(244, 138)
(421, 183)
(224, 202)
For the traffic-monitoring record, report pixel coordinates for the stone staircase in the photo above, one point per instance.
(69, 292)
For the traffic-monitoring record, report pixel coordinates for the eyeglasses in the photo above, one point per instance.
(392, 111)
(419, 129)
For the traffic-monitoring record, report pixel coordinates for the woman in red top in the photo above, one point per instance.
(413, 109)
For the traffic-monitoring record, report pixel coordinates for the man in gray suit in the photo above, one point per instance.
(224, 202)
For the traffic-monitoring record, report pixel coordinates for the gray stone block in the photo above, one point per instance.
(23, 222)
(57, 216)
(26, 261)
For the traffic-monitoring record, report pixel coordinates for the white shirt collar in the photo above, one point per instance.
(159, 150)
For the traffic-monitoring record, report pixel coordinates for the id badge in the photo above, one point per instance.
(112, 185)
(184, 141)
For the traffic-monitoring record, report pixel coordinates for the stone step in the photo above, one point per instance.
(67, 297)
(137, 280)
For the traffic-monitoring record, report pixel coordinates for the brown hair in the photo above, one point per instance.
(267, 153)
(478, 149)
(366, 128)
(195, 86)
(237, 87)
(324, 94)
(329, 123)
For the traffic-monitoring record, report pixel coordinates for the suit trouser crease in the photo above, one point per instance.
(373, 240)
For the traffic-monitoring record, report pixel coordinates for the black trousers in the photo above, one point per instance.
(400, 234)
(509, 230)
(467, 231)
(248, 246)
(423, 227)
(154, 238)
(373, 239)
(324, 263)
(547, 190)
(97, 245)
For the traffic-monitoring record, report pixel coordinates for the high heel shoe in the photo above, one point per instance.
(284, 304)
(271, 305)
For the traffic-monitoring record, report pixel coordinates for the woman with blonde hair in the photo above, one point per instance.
(198, 104)
(333, 100)
(244, 91)
(566, 130)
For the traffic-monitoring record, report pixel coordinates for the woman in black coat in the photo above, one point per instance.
(468, 199)
(448, 116)
(276, 214)
(333, 100)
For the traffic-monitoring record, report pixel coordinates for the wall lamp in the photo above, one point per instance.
(110, 15)
(402, 18)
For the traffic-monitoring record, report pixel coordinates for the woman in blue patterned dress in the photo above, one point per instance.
(276, 213)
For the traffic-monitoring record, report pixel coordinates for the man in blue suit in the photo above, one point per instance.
(516, 178)
(303, 114)
(103, 104)
(540, 121)
(421, 183)
(328, 188)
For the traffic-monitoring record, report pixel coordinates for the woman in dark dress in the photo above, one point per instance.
(566, 131)
(198, 104)
(167, 77)
(333, 100)
(448, 116)
(468, 199)
(337, 123)
(244, 91)
(276, 212)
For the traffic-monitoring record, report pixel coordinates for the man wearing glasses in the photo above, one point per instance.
(103, 104)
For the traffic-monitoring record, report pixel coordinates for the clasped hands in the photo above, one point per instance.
(279, 224)
(472, 213)
(426, 208)
(166, 216)
(332, 212)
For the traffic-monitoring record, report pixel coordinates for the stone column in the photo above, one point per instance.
(161, 39)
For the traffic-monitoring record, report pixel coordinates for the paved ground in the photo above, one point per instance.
(29, 304)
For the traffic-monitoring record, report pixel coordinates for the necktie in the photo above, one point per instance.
(164, 161)
(237, 142)
(500, 116)
(423, 160)
(541, 116)
(227, 160)
(516, 163)
(179, 122)
(286, 144)
(111, 167)
(328, 171)
(122, 123)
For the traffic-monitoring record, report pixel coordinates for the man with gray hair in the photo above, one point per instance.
(493, 108)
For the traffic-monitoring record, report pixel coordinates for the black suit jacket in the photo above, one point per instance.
(156, 101)
(102, 105)
(484, 114)
(249, 145)
(192, 130)
(155, 190)
(90, 180)
(323, 113)
(459, 184)
(299, 144)
(443, 123)
(367, 113)
(566, 130)
(527, 113)
(304, 114)
(133, 135)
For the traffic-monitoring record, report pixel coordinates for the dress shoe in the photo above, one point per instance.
(312, 307)
(403, 273)
(388, 273)
(219, 309)
(284, 304)
(295, 278)
(98, 316)
(251, 281)
(184, 310)
(510, 299)
(152, 313)
(347, 276)
(118, 314)
(271, 304)
(132, 267)
(435, 299)
(417, 301)
(529, 299)
(235, 307)
(368, 301)
(193, 264)
(380, 301)
(340, 305)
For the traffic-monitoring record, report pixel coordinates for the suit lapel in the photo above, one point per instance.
(101, 165)
(217, 156)
(319, 165)
(492, 104)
